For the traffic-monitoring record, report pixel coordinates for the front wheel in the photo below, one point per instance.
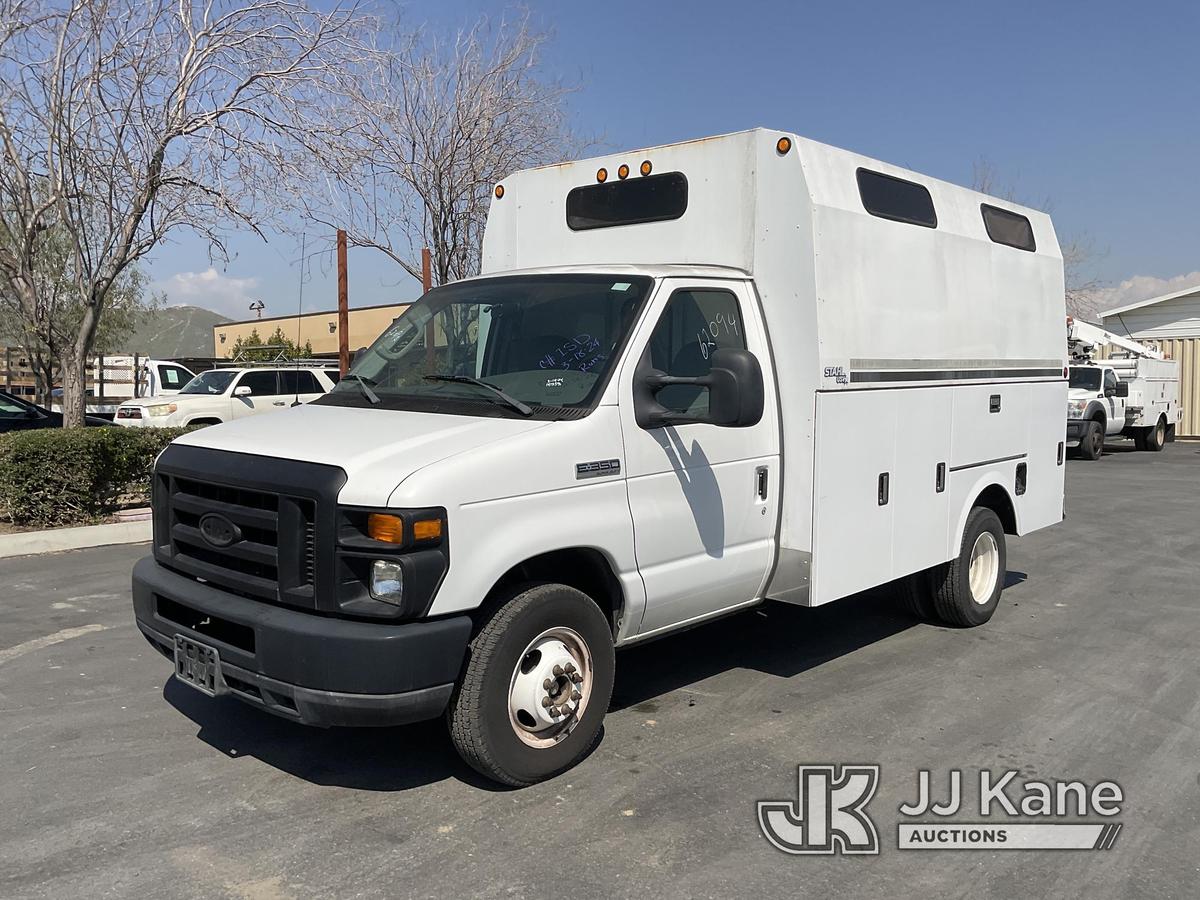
(1091, 445)
(967, 589)
(537, 684)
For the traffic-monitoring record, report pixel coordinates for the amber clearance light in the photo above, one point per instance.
(623, 172)
(602, 175)
(427, 530)
(646, 168)
(783, 145)
(387, 528)
(499, 191)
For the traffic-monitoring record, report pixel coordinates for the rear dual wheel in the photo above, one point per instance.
(537, 684)
(966, 590)
(1154, 439)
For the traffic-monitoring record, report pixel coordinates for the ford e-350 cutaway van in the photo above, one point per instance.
(690, 379)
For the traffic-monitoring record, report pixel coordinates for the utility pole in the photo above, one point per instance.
(426, 286)
(343, 306)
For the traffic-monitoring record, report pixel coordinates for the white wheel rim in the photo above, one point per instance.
(984, 568)
(550, 687)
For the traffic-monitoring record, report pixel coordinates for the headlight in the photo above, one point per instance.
(1076, 408)
(387, 581)
(163, 409)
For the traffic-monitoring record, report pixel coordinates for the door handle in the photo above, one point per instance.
(279, 403)
(760, 481)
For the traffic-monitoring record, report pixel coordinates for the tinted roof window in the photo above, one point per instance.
(652, 198)
(1005, 227)
(894, 198)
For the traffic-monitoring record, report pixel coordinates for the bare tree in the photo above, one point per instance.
(121, 123)
(435, 125)
(1078, 251)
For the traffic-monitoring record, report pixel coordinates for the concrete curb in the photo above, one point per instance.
(57, 539)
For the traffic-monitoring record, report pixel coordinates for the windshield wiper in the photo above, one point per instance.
(512, 402)
(363, 386)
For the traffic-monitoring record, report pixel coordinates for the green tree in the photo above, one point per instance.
(277, 348)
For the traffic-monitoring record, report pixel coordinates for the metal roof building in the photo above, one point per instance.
(1171, 321)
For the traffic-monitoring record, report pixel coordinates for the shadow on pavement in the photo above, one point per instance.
(777, 639)
(369, 759)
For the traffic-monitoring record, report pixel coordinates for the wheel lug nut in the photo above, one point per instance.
(570, 667)
(555, 712)
(576, 696)
(577, 678)
(558, 670)
(548, 683)
(545, 702)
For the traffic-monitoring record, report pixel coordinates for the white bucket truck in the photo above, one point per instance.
(690, 379)
(1134, 392)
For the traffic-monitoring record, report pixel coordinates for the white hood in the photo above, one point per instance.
(377, 448)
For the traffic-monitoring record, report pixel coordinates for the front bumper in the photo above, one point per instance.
(1075, 429)
(309, 668)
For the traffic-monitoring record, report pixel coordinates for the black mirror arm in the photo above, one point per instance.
(658, 382)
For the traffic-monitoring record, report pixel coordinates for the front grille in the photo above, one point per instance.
(257, 526)
(273, 552)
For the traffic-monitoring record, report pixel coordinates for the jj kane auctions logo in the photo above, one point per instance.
(829, 814)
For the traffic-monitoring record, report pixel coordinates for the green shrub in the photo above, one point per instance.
(75, 476)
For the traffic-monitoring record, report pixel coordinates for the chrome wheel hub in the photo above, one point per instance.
(550, 687)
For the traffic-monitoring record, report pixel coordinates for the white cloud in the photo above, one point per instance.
(1143, 287)
(211, 290)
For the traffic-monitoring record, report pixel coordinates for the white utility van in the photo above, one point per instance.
(691, 379)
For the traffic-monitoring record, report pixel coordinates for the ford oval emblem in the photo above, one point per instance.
(218, 530)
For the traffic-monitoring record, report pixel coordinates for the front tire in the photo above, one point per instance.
(537, 684)
(1091, 445)
(967, 589)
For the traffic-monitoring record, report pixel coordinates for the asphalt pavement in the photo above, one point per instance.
(116, 781)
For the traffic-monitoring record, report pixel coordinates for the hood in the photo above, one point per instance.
(377, 448)
(1081, 394)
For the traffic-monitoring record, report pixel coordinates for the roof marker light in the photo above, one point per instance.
(783, 145)
(499, 191)
(623, 172)
(602, 175)
(646, 168)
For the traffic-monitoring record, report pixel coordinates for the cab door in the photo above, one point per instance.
(703, 497)
(1115, 404)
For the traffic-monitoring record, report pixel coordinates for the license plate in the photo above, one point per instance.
(198, 665)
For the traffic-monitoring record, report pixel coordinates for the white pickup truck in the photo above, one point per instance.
(1134, 393)
(685, 384)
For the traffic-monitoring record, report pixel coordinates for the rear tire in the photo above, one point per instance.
(499, 718)
(1091, 445)
(1155, 438)
(1139, 440)
(967, 589)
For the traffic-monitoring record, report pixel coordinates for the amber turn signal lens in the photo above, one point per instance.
(499, 191)
(383, 527)
(427, 530)
(623, 172)
(646, 168)
(602, 175)
(783, 145)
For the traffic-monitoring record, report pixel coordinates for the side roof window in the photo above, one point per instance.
(894, 198)
(1007, 227)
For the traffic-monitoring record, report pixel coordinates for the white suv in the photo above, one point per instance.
(221, 395)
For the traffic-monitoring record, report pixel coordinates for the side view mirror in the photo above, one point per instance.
(1122, 389)
(735, 392)
(242, 390)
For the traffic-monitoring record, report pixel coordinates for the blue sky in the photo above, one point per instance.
(1093, 106)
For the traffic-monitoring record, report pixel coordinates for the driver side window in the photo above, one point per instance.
(694, 324)
(1110, 382)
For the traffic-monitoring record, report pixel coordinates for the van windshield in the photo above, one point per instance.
(548, 341)
(1085, 377)
(214, 381)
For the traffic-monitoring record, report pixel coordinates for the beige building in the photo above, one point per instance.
(318, 328)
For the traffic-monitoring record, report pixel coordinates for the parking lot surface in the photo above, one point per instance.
(117, 781)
